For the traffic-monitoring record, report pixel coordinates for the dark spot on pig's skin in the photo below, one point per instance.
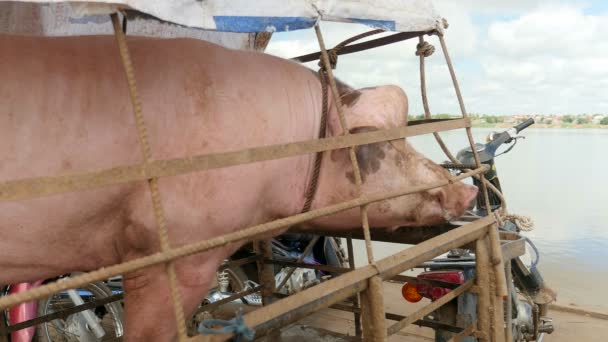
(66, 165)
(384, 207)
(350, 175)
(369, 157)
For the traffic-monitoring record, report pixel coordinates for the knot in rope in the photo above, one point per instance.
(523, 223)
(424, 49)
(333, 59)
(236, 326)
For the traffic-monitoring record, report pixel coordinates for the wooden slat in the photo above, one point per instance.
(337, 289)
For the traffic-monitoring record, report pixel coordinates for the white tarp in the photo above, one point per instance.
(270, 15)
(59, 19)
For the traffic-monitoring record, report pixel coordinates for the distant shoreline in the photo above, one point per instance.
(596, 121)
(538, 125)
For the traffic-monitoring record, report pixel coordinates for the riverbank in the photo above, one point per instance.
(479, 124)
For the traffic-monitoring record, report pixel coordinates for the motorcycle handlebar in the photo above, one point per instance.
(524, 125)
(506, 136)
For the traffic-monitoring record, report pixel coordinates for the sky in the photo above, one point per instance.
(511, 57)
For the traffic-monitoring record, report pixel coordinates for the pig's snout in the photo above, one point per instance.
(470, 194)
(463, 197)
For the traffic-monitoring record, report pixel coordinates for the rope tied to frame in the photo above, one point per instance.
(523, 223)
(323, 77)
(424, 49)
(234, 326)
(333, 59)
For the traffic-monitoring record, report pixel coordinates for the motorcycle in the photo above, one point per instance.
(287, 247)
(528, 298)
(105, 322)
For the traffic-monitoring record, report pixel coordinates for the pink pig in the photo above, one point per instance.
(64, 108)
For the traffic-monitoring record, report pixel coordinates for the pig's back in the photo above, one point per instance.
(65, 104)
(65, 108)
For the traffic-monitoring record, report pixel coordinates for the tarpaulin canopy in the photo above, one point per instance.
(247, 16)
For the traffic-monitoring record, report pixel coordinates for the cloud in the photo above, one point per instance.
(542, 57)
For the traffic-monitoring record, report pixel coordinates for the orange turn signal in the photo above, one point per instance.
(410, 293)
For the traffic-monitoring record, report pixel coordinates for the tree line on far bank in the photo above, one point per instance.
(582, 119)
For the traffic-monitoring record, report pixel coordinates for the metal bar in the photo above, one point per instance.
(483, 283)
(393, 329)
(425, 103)
(404, 235)
(326, 268)
(375, 297)
(463, 111)
(64, 313)
(373, 43)
(211, 306)
(201, 246)
(266, 272)
(305, 253)
(27, 188)
(240, 262)
(440, 142)
(338, 289)
(466, 332)
(425, 323)
(146, 151)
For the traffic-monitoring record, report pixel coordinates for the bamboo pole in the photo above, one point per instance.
(483, 285)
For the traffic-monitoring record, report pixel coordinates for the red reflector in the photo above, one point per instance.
(454, 277)
(433, 292)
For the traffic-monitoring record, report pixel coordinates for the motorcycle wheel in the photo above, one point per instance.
(74, 328)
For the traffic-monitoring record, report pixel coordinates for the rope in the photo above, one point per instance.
(442, 145)
(234, 326)
(353, 158)
(333, 53)
(152, 182)
(424, 49)
(333, 61)
(314, 181)
(523, 223)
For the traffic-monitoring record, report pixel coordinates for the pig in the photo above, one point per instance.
(65, 108)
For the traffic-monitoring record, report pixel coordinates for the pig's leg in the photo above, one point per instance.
(149, 313)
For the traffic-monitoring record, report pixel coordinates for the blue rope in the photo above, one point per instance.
(236, 326)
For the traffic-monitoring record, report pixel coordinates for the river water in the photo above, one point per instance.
(558, 177)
